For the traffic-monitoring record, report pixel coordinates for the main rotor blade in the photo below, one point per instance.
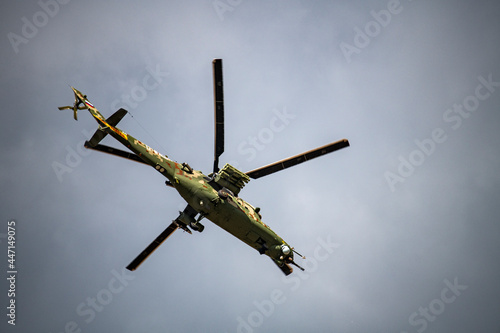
(219, 111)
(115, 151)
(153, 246)
(297, 159)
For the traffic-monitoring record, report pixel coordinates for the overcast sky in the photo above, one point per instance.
(400, 230)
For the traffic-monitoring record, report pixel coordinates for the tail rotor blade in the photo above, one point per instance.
(75, 106)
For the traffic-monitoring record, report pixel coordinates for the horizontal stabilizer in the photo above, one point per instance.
(97, 137)
(113, 120)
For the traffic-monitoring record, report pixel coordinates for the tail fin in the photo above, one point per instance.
(113, 120)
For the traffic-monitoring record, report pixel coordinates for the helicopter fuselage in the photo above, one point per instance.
(203, 194)
(214, 197)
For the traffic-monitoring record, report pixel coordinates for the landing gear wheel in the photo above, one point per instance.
(197, 226)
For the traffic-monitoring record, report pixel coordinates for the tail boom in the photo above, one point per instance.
(108, 126)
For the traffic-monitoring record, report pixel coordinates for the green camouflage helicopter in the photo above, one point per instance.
(214, 197)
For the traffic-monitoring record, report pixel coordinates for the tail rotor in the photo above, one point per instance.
(76, 106)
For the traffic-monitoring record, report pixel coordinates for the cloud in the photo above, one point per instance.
(397, 247)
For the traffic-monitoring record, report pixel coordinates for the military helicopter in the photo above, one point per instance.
(214, 197)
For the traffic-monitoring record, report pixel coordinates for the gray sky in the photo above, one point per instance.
(400, 230)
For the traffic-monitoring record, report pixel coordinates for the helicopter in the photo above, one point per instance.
(215, 196)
